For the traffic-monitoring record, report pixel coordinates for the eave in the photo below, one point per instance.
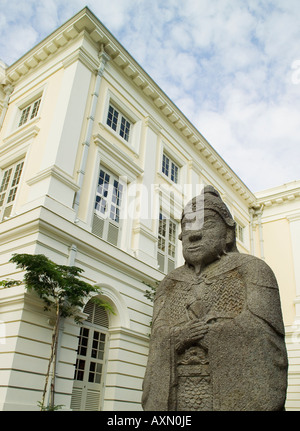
(279, 195)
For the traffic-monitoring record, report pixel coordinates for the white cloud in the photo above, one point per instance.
(46, 17)
(19, 41)
(227, 64)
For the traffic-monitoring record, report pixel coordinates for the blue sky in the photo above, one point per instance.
(231, 66)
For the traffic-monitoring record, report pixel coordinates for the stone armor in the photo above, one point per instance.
(225, 369)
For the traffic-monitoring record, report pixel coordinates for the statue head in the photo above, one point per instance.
(208, 229)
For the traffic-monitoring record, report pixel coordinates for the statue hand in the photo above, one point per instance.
(189, 334)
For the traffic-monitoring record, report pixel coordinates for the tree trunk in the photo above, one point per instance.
(55, 344)
(51, 359)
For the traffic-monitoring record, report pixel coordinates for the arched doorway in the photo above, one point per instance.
(89, 373)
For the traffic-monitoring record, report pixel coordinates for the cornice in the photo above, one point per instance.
(132, 170)
(115, 333)
(139, 228)
(279, 196)
(156, 127)
(195, 166)
(86, 21)
(55, 172)
(82, 55)
(19, 137)
(293, 217)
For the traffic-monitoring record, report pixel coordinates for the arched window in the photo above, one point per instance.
(90, 364)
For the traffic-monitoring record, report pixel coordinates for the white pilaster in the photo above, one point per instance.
(145, 240)
(295, 240)
(56, 177)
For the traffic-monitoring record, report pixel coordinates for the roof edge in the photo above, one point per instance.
(85, 19)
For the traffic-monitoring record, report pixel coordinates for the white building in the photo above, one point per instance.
(96, 164)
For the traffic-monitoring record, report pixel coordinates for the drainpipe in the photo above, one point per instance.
(103, 58)
(72, 255)
(8, 89)
(261, 239)
(251, 211)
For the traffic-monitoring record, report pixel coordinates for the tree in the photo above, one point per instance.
(61, 290)
(150, 293)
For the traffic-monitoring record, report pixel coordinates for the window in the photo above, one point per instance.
(8, 188)
(29, 112)
(109, 195)
(169, 168)
(118, 122)
(239, 229)
(90, 363)
(166, 253)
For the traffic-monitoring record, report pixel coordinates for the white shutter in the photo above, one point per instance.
(171, 265)
(98, 226)
(76, 399)
(161, 261)
(97, 315)
(88, 309)
(109, 196)
(166, 244)
(92, 400)
(7, 212)
(113, 233)
(100, 317)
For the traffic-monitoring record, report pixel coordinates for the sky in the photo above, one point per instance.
(231, 66)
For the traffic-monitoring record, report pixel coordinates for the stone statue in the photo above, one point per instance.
(217, 340)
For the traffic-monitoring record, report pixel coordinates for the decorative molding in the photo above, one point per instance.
(18, 137)
(293, 217)
(152, 124)
(116, 333)
(82, 55)
(121, 318)
(116, 155)
(41, 52)
(195, 166)
(22, 134)
(140, 229)
(279, 197)
(103, 59)
(55, 172)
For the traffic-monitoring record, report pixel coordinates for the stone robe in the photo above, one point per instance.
(241, 362)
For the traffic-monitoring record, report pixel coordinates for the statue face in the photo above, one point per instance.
(203, 244)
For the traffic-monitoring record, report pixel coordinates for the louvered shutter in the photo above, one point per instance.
(108, 202)
(76, 399)
(92, 400)
(112, 235)
(98, 226)
(161, 262)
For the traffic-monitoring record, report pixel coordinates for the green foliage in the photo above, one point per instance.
(10, 283)
(50, 408)
(150, 293)
(57, 285)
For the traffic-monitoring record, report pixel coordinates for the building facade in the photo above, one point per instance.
(96, 164)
